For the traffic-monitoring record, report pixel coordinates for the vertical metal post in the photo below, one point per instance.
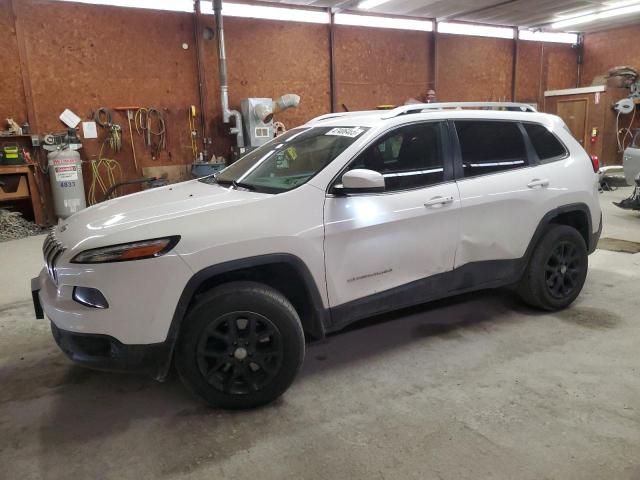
(514, 63)
(434, 58)
(332, 60)
(579, 58)
(197, 36)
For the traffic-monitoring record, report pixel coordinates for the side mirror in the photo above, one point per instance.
(361, 180)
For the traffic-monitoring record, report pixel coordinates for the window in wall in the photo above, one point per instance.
(476, 30)
(490, 147)
(409, 157)
(382, 22)
(170, 5)
(267, 12)
(546, 145)
(555, 37)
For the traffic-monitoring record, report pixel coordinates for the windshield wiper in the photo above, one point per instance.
(243, 185)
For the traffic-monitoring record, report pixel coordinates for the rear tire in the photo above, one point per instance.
(241, 346)
(557, 269)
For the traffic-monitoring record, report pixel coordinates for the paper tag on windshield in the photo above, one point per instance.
(345, 132)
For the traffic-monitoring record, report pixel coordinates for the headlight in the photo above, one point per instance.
(124, 252)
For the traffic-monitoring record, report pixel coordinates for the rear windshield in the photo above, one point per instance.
(289, 160)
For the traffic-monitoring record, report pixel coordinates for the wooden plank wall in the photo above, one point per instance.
(610, 48)
(474, 68)
(110, 56)
(375, 67)
(12, 99)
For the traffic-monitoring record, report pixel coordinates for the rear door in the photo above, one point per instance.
(379, 246)
(504, 193)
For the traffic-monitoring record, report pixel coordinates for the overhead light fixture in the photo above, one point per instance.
(367, 4)
(614, 12)
(620, 3)
(567, 16)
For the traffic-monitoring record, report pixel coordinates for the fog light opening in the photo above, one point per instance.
(90, 297)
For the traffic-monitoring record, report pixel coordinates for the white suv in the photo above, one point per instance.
(345, 217)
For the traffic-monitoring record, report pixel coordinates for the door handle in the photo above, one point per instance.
(438, 201)
(536, 182)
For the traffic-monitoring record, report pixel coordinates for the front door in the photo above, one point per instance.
(379, 247)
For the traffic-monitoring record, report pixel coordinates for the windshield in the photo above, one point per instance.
(289, 160)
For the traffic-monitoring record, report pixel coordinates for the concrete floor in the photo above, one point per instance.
(477, 386)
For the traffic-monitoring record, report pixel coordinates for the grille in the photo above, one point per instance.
(52, 249)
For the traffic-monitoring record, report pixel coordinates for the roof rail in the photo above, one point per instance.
(328, 116)
(421, 107)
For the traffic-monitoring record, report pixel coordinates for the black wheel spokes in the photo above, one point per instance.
(563, 269)
(240, 352)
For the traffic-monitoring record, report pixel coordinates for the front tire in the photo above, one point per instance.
(241, 347)
(557, 269)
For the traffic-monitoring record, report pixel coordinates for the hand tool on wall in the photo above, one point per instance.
(150, 123)
(104, 117)
(193, 133)
(130, 111)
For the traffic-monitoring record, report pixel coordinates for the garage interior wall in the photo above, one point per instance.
(608, 49)
(116, 57)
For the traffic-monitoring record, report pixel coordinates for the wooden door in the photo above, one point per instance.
(574, 114)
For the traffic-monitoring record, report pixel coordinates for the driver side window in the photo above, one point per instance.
(408, 157)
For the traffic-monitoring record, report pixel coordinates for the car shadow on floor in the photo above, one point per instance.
(85, 405)
(442, 319)
(82, 403)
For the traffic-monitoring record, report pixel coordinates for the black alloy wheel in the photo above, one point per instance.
(240, 345)
(563, 269)
(240, 352)
(557, 269)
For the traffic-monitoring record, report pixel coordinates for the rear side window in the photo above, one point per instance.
(490, 147)
(546, 145)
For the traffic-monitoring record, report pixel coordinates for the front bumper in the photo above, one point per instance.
(142, 297)
(103, 352)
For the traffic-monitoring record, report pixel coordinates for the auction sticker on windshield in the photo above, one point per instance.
(345, 132)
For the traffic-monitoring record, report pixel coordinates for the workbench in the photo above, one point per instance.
(27, 189)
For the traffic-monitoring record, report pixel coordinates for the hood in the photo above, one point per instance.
(148, 213)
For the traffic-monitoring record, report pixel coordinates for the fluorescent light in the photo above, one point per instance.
(477, 30)
(596, 16)
(382, 22)
(170, 5)
(566, 16)
(268, 13)
(622, 3)
(555, 37)
(366, 4)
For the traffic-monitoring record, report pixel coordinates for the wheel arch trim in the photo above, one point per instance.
(592, 237)
(316, 325)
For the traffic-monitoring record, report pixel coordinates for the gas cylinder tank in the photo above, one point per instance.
(67, 186)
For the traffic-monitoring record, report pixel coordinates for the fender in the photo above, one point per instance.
(316, 325)
(592, 237)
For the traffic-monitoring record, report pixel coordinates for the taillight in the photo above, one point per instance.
(595, 163)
